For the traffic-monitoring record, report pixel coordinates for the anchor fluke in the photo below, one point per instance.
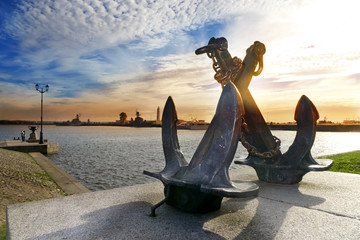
(174, 158)
(305, 116)
(291, 166)
(304, 106)
(321, 165)
(200, 185)
(299, 153)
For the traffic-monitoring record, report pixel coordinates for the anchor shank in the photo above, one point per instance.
(244, 77)
(261, 135)
(250, 62)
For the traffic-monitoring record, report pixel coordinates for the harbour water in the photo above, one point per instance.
(105, 157)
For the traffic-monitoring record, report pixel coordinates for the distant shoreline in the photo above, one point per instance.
(69, 124)
(332, 127)
(319, 127)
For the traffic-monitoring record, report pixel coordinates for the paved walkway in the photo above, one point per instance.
(325, 205)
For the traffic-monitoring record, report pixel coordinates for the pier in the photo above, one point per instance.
(27, 147)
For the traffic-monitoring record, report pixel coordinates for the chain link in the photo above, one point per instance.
(254, 152)
(225, 76)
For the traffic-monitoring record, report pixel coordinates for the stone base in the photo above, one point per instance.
(324, 205)
(192, 200)
(33, 137)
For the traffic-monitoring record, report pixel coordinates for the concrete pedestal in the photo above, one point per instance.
(325, 205)
(33, 137)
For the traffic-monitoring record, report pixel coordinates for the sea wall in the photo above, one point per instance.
(26, 147)
(52, 147)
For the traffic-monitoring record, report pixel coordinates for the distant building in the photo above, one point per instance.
(138, 119)
(325, 121)
(76, 120)
(123, 119)
(193, 125)
(158, 119)
(158, 114)
(351, 122)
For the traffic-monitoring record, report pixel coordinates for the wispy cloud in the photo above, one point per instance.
(88, 23)
(113, 51)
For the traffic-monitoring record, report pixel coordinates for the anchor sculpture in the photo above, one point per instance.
(200, 186)
(264, 148)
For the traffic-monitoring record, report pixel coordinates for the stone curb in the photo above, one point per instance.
(322, 206)
(67, 183)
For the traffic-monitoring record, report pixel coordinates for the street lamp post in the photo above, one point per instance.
(41, 90)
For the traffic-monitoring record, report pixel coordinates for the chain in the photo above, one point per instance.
(215, 65)
(225, 76)
(253, 151)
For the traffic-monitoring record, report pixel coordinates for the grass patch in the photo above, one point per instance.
(3, 232)
(346, 162)
(42, 178)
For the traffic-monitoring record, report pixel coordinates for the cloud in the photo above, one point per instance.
(355, 76)
(87, 26)
(98, 39)
(109, 22)
(128, 51)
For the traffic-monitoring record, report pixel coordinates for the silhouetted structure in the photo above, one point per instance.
(42, 91)
(158, 114)
(123, 117)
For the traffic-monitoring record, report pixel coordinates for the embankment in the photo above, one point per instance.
(23, 180)
(31, 177)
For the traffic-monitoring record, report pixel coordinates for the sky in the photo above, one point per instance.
(104, 57)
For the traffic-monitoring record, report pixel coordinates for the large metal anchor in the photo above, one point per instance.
(200, 186)
(264, 148)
